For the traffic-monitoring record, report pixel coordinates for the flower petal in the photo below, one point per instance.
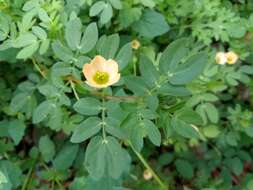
(98, 59)
(111, 67)
(221, 58)
(114, 79)
(95, 85)
(99, 63)
(89, 70)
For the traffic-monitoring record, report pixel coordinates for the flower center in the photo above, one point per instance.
(101, 77)
(230, 59)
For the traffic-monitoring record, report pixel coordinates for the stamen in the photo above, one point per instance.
(101, 77)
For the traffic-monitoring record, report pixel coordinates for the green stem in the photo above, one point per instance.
(38, 68)
(53, 184)
(55, 179)
(59, 184)
(103, 119)
(216, 149)
(74, 89)
(108, 97)
(28, 176)
(158, 85)
(135, 70)
(145, 163)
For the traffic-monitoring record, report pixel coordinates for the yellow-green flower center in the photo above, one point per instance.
(230, 59)
(101, 77)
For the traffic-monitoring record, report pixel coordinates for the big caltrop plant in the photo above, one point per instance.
(127, 113)
(107, 95)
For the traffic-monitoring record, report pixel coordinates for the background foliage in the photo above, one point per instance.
(174, 111)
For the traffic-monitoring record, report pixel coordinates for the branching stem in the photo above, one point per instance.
(38, 68)
(145, 163)
(74, 89)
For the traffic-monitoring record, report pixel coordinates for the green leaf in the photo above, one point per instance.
(201, 111)
(128, 16)
(73, 33)
(55, 119)
(42, 111)
(188, 71)
(152, 102)
(117, 158)
(151, 24)
(28, 51)
(90, 38)
(184, 129)
(236, 30)
(184, 168)
(5, 26)
(124, 56)
(135, 130)
(148, 3)
(48, 90)
(152, 132)
(5, 184)
(95, 161)
(109, 46)
(13, 174)
(106, 14)
(44, 46)
(39, 32)
(148, 72)
(171, 90)
(44, 16)
(78, 183)
(116, 4)
(65, 157)
(61, 69)
(4, 128)
(189, 116)
(19, 101)
(88, 106)
(136, 85)
(236, 165)
(105, 156)
(211, 112)
(249, 185)
(105, 183)
(115, 131)
(86, 129)
(16, 130)
(97, 8)
(62, 52)
(47, 148)
(173, 54)
(209, 97)
(211, 131)
(25, 39)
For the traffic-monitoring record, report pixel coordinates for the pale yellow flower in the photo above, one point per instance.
(232, 57)
(135, 44)
(101, 73)
(147, 175)
(221, 58)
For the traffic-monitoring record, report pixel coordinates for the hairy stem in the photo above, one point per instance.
(145, 163)
(74, 89)
(28, 176)
(103, 118)
(38, 68)
(108, 97)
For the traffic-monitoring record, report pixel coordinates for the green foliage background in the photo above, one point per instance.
(175, 112)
